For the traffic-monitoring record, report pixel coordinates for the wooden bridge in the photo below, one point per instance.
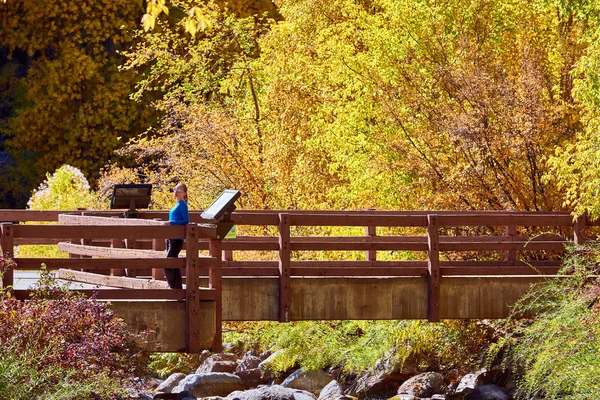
(295, 265)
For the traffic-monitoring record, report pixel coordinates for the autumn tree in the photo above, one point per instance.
(434, 105)
(69, 103)
(575, 166)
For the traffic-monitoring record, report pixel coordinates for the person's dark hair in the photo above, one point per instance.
(185, 190)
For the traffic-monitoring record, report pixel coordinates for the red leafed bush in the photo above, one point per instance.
(67, 332)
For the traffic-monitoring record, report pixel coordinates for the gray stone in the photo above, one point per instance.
(468, 383)
(248, 362)
(404, 396)
(210, 384)
(184, 395)
(172, 381)
(332, 391)
(385, 377)
(275, 392)
(253, 377)
(488, 392)
(220, 362)
(310, 381)
(423, 385)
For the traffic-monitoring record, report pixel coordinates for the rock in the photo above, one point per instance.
(253, 377)
(467, 384)
(487, 392)
(275, 392)
(385, 378)
(184, 395)
(209, 384)
(220, 362)
(423, 385)
(172, 381)
(438, 397)
(404, 396)
(331, 391)
(310, 381)
(248, 362)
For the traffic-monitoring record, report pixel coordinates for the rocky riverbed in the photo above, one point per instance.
(228, 376)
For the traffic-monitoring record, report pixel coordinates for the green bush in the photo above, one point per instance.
(358, 345)
(557, 354)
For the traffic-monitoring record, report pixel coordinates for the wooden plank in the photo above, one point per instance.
(371, 232)
(215, 281)
(499, 271)
(109, 252)
(7, 244)
(29, 215)
(285, 292)
(117, 244)
(98, 232)
(345, 219)
(100, 263)
(126, 294)
(112, 281)
(158, 245)
(69, 219)
(510, 230)
(433, 269)
(503, 246)
(504, 220)
(192, 299)
(35, 241)
(579, 236)
(355, 272)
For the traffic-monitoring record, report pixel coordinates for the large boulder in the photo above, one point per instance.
(249, 372)
(488, 392)
(311, 381)
(385, 378)
(210, 384)
(332, 391)
(275, 392)
(468, 384)
(220, 362)
(169, 383)
(423, 385)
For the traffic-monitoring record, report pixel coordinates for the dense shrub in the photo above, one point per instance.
(557, 354)
(358, 345)
(61, 345)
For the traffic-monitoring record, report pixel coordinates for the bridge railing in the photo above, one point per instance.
(193, 265)
(521, 254)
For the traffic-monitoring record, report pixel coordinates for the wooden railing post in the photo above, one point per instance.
(7, 243)
(192, 295)
(285, 296)
(579, 229)
(130, 244)
(371, 254)
(510, 255)
(158, 245)
(117, 244)
(215, 281)
(433, 269)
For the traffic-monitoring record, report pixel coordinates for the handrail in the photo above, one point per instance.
(430, 248)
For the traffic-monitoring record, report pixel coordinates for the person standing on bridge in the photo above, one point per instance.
(178, 215)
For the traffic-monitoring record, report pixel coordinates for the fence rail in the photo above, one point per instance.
(136, 245)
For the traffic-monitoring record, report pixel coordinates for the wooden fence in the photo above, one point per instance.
(440, 235)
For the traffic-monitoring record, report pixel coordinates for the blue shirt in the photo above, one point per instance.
(179, 214)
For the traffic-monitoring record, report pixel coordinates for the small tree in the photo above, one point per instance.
(66, 189)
